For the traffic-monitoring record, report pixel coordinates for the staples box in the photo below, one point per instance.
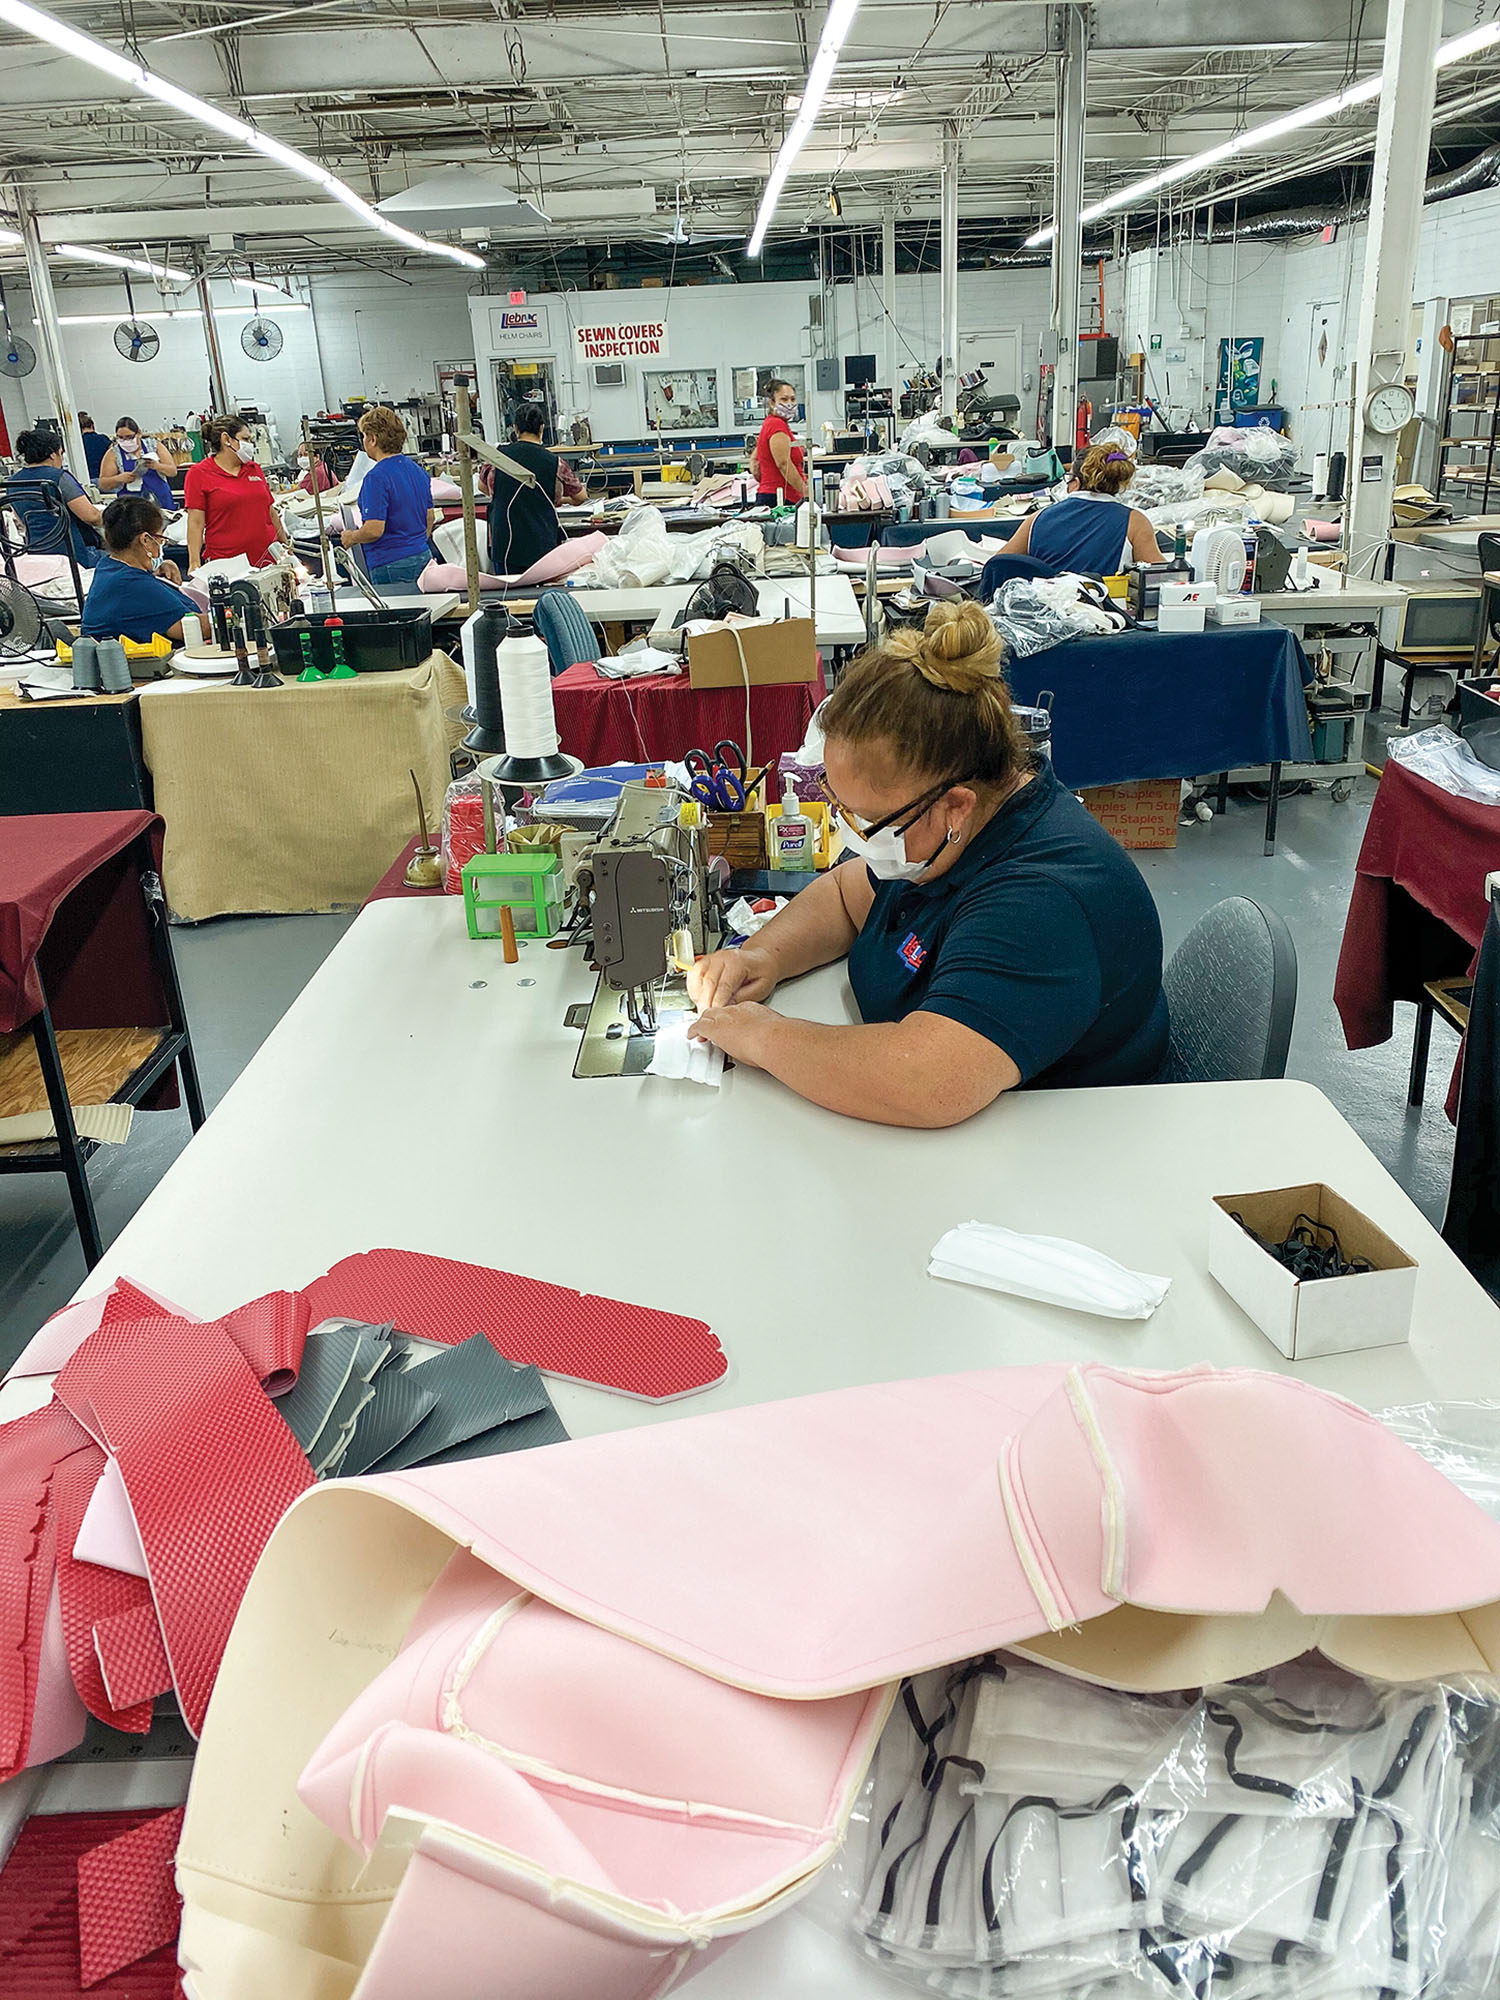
(1314, 1316)
(775, 653)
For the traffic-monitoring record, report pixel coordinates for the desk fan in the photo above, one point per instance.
(20, 619)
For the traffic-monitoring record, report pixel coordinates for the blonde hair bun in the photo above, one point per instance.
(959, 649)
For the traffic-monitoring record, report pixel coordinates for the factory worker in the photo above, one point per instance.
(395, 505)
(997, 936)
(523, 523)
(133, 593)
(778, 457)
(1091, 531)
(227, 497)
(136, 464)
(42, 465)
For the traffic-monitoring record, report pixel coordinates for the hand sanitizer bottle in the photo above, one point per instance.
(793, 839)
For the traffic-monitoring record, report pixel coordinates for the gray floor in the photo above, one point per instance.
(240, 976)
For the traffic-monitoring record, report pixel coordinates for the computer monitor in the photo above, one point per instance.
(859, 371)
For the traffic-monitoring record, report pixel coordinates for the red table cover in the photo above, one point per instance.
(71, 914)
(1418, 909)
(660, 716)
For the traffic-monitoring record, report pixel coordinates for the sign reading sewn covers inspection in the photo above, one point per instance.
(632, 340)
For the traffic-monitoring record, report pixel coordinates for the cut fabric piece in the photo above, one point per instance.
(399, 1404)
(542, 1426)
(327, 1362)
(368, 1357)
(39, 1942)
(206, 1491)
(476, 1389)
(270, 1333)
(1048, 1268)
(128, 1905)
(105, 1124)
(61, 1336)
(39, 1449)
(90, 1596)
(107, 1534)
(679, 1055)
(634, 1349)
(131, 1656)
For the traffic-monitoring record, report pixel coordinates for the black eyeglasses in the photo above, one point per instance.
(908, 814)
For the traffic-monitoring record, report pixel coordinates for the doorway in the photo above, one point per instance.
(998, 352)
(518, 382)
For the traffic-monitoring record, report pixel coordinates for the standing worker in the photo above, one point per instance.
(523, 519)
(779, 471)
(395, 505)
(95, 443)
(136, 464)
(227, 498)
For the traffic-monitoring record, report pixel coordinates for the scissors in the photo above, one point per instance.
(718, 782)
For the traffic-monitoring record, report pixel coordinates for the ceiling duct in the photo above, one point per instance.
(1482, 171)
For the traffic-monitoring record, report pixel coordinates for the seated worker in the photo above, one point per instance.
(136, 464)
(133, 593)
(395, 505)
(523, 519)
(997, 936)
(42, 456)
(1091, 531)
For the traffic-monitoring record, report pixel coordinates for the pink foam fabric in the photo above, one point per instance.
(577, 552)
(441, 577)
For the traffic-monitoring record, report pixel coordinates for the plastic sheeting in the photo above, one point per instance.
(1445, 760)
(644, 553)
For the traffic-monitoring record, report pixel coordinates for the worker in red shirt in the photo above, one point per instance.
(227, 498)
(778, 457)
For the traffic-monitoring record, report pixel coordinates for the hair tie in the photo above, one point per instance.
(1118, 458)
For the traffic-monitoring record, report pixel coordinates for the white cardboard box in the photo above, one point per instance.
(1179, 618)
(1189, 593)
(1235, 611)
(1318, 1316)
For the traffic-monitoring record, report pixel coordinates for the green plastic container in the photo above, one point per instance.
(530, 884)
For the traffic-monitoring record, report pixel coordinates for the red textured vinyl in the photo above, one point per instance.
(39, 1915)
(128, 1905)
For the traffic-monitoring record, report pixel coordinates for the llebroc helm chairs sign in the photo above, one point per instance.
(632, 340)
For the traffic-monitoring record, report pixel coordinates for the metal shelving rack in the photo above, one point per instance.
(1474, 475)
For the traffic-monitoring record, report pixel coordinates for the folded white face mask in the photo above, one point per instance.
(246, 450)
(683, 1058)
(1048, 1268)
(884, 854)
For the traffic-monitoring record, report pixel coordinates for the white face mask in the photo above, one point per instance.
(884, 854)
(128, 443)
(246, 449)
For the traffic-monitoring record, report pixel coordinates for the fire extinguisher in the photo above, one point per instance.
(1085, 423)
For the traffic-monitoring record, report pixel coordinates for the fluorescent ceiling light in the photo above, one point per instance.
(267, 287)
(182, 312)
(836, 28)
(33, 21)
(79, 255)
(1316, 113)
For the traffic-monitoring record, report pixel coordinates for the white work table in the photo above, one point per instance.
(419, 1093)
(838, 621)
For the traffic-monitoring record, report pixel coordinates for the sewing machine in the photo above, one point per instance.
(653, 897)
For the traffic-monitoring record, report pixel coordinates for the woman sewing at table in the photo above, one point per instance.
(779, 471)
(227, 498)
(133, 593)
(1092, 531)
(136, 464)
(997, 937)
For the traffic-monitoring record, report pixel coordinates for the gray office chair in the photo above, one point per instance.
(1231, 989)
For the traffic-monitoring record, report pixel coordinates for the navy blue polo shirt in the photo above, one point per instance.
(1042, 937)
(128, 603)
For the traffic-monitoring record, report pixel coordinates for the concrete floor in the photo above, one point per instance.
(240, 975)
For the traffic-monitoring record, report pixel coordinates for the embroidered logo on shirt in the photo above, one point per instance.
(913, 951)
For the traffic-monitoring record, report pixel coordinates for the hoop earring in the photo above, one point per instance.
(953, 834)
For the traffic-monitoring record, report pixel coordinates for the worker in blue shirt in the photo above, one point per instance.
(395, 506)
(133, 592)
(95, 443)
(997, 937)
(42, 465)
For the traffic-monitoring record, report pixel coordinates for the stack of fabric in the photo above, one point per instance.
(1303, 1835)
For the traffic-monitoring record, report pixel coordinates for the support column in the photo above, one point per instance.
(1067, 237)
(211, 341)
(49, 338)
(1408, 84)
(888, 294)
(949, 269)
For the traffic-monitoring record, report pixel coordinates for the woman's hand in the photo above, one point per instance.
(728, 978)
(741, 1031)
(349, 537)
(170, 573)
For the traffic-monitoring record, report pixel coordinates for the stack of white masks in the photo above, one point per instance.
(1049, 1268)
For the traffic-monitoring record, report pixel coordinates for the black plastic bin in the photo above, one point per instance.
(1479, 719)
(375, 642)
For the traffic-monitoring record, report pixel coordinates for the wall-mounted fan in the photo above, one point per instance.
(133, 339)
(20, 617)
(17, 356)
(261, 338)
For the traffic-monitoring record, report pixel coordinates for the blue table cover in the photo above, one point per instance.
(1170, 704)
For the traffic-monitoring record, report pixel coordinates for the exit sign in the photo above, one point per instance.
(517, 299)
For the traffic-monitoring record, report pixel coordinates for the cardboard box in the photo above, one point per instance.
(1235, 611)
(1322, 1315)
(1143, 814)
(1178, 617)
(1206, 594)
(775, 654)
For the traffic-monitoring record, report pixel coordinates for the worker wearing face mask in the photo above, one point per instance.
(227, 498)
(997, 936)
(779, 471)
(134, 594)
(137, 464)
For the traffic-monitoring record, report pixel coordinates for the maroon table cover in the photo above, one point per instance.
(660, 717)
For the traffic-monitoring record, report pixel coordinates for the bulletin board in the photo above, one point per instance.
(681, 399)
(752, 392)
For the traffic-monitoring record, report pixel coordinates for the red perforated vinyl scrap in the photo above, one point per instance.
(128, 1905)
(635, 1349)
(39, 1945)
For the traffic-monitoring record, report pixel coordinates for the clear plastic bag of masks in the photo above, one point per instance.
(1461, 1439)
(1301, 1835)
